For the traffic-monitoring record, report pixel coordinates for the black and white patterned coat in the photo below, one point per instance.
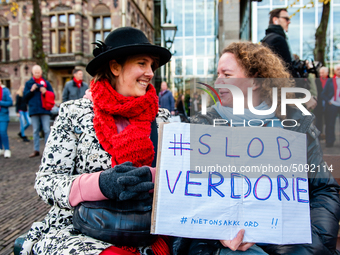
(72, 149)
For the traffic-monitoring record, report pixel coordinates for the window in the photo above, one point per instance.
(62, 35)
(178, 70)
(294, 33)
(262, 21)
(200, 47)
(200, 66)
(194, 47)
(101, 22)
(336, 33)
(4, 40)
(7, 83)
(189, 67)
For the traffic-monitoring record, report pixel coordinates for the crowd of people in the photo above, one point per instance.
(31, 107)
(102, 146)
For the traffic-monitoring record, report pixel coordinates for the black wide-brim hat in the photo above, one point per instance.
(125, 41)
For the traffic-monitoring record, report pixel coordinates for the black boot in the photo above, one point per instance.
(19, 134)
(25, 139)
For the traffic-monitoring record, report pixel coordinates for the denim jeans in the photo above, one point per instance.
(25, 122)
(45, 122)
(254, 250)
(4, 143)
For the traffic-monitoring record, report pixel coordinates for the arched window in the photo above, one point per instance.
(4, 39)
(62, 35)
(133, 20)
(101, 22)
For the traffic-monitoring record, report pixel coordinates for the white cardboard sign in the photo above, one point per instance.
(212, 182)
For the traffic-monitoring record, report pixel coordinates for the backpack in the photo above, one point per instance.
(47, 100)
(264, 40)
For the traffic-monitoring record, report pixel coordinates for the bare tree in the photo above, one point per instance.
(320, 34)
(37, 42)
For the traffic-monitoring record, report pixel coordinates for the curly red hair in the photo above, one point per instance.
(258, 61)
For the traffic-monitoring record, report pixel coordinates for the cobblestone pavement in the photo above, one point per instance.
(20, 205)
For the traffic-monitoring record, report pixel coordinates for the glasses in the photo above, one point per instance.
(286, 18)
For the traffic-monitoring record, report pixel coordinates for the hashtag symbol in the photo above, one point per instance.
(179, 145)
(184, 220)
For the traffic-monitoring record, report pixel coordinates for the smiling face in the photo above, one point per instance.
(134, 76)
(228, 67)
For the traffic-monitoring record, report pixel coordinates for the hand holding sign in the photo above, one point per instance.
(237, 242)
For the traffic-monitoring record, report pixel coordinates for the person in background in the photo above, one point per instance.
(166, 99)
(311, 80)
(98, 142)
(180, 106)
(245, 60)
(323, 76)
(35, 88)
(21, 110)
(319, 109)
(331, 96)
(196, 103)
(276, 38)
(5, 102)
(75, 88)
(305, 80)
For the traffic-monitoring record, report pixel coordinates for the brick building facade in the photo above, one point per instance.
(69, 28)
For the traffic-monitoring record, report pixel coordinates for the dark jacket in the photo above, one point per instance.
(328, 91)
(276, 40)
(167, 101)
(323, 195)
(72, 92)
(5, 102)
(180, 107)
(34, 98)
(21, 104)
(318, 110)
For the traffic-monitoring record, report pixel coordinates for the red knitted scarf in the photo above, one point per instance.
(40, 81)
(77, 82)
(160, 247)
(323, 81)
(133, 143)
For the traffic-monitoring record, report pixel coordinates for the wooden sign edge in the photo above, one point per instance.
(158, 163)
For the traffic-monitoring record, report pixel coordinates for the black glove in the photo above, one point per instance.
(127, 175)
(137, 192)
(136, 187)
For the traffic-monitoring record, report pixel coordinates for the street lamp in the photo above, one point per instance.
(169, 33)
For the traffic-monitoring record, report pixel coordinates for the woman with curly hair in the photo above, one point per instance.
(245, 61)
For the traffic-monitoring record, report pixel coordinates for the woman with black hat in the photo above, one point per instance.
(99, 144)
